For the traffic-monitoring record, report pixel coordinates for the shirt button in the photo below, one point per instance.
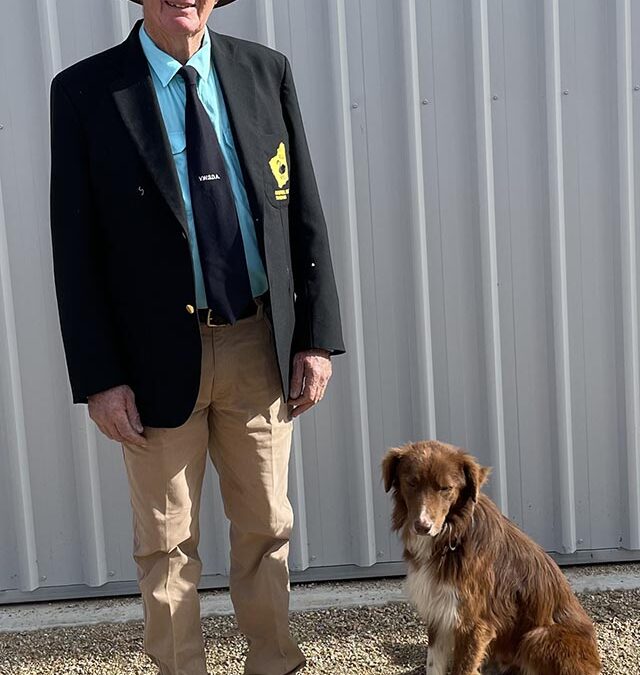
(190, 309)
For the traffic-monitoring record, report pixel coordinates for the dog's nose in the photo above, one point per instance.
(421, 527)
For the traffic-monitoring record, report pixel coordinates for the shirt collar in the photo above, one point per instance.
(165, 66)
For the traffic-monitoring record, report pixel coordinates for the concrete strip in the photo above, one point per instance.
(604, 582)
(26, 618)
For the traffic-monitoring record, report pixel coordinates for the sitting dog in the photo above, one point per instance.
(490, 596)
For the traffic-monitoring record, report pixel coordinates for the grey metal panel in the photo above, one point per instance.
(593, 254)
(520, 137)
(477, 161)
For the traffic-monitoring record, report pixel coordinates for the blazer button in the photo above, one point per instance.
(190, 309)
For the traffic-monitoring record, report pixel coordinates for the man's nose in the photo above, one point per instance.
(423, 525)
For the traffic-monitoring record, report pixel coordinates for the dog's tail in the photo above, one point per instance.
(560, 649)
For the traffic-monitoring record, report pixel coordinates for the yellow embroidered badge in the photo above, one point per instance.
(280, 171)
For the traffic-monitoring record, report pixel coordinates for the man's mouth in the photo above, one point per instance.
(181, 5)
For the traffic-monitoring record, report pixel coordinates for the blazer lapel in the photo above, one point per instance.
(239, 90)
(136, 100)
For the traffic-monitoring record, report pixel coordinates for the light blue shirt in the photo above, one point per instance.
(170, 90)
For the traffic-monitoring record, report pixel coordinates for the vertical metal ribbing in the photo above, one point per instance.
(425, 370)
(267, 23)
(121, 18)
(487, 213)
(89, 497)
(629, 267)
(559, 276)
(362, 499)
(15, 429)
(50, 38)
(221, 530)
(83, 430)
(300, 551)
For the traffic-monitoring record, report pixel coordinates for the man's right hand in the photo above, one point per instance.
(114, 411)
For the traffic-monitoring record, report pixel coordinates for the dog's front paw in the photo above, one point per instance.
(436, 663)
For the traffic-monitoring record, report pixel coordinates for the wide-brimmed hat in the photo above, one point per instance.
(220, 3)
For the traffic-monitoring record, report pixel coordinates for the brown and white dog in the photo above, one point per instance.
(490, 596)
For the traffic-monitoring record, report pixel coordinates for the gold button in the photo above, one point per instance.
(190, 309)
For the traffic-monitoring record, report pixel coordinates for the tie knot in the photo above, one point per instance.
(189, 74)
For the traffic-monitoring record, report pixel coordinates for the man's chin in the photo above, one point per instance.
(179, 26)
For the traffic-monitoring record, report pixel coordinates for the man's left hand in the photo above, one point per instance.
(311, 373)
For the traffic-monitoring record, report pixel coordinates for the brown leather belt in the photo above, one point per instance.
(209, 317)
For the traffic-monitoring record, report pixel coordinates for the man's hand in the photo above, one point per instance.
(115, 413)
(311, 373)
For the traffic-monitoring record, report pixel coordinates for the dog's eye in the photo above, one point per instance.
(446, 489)
(411, 482)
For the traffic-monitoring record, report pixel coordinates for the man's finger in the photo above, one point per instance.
(311, 382)
(299, 409)
(322, 388)
(127, 433)
(296, 378)
(112, 433)
(133, 414)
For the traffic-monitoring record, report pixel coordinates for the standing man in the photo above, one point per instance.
(197, 304)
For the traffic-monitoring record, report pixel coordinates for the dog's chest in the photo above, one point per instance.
(436, 602)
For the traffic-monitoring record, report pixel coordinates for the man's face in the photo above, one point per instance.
(177, 17)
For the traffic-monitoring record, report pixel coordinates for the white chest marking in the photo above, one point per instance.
(436, 602)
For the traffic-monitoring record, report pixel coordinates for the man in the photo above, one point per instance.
(197, 304)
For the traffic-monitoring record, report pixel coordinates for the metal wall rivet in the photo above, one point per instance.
(495, 97)
(43, 578)
(111, 573)
(355, 105)
(1, 127)
(636, 88)
(565, 92)
(425, 101)
(580, 541)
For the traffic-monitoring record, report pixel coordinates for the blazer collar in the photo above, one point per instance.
(136, 100)
(137, 103)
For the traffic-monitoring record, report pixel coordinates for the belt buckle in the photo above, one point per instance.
(210, 322)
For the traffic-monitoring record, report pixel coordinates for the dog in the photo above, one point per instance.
(489, 595)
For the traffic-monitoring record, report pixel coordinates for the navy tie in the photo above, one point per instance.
(224, 265)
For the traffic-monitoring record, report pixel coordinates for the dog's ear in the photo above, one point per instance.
(390, 467)
(475, 477)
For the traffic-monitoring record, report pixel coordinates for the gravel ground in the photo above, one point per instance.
(384, 640)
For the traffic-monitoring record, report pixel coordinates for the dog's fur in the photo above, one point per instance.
(489, 595)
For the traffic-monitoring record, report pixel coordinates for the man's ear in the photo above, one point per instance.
(390, 467)
(475, 477)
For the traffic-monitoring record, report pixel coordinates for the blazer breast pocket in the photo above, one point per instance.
(276, 169)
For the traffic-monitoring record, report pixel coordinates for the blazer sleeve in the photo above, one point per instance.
(317, 320)
(93, 361)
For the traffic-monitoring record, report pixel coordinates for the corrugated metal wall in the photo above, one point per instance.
(478, 164)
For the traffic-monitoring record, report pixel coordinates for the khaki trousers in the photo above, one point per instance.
(241, 419)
